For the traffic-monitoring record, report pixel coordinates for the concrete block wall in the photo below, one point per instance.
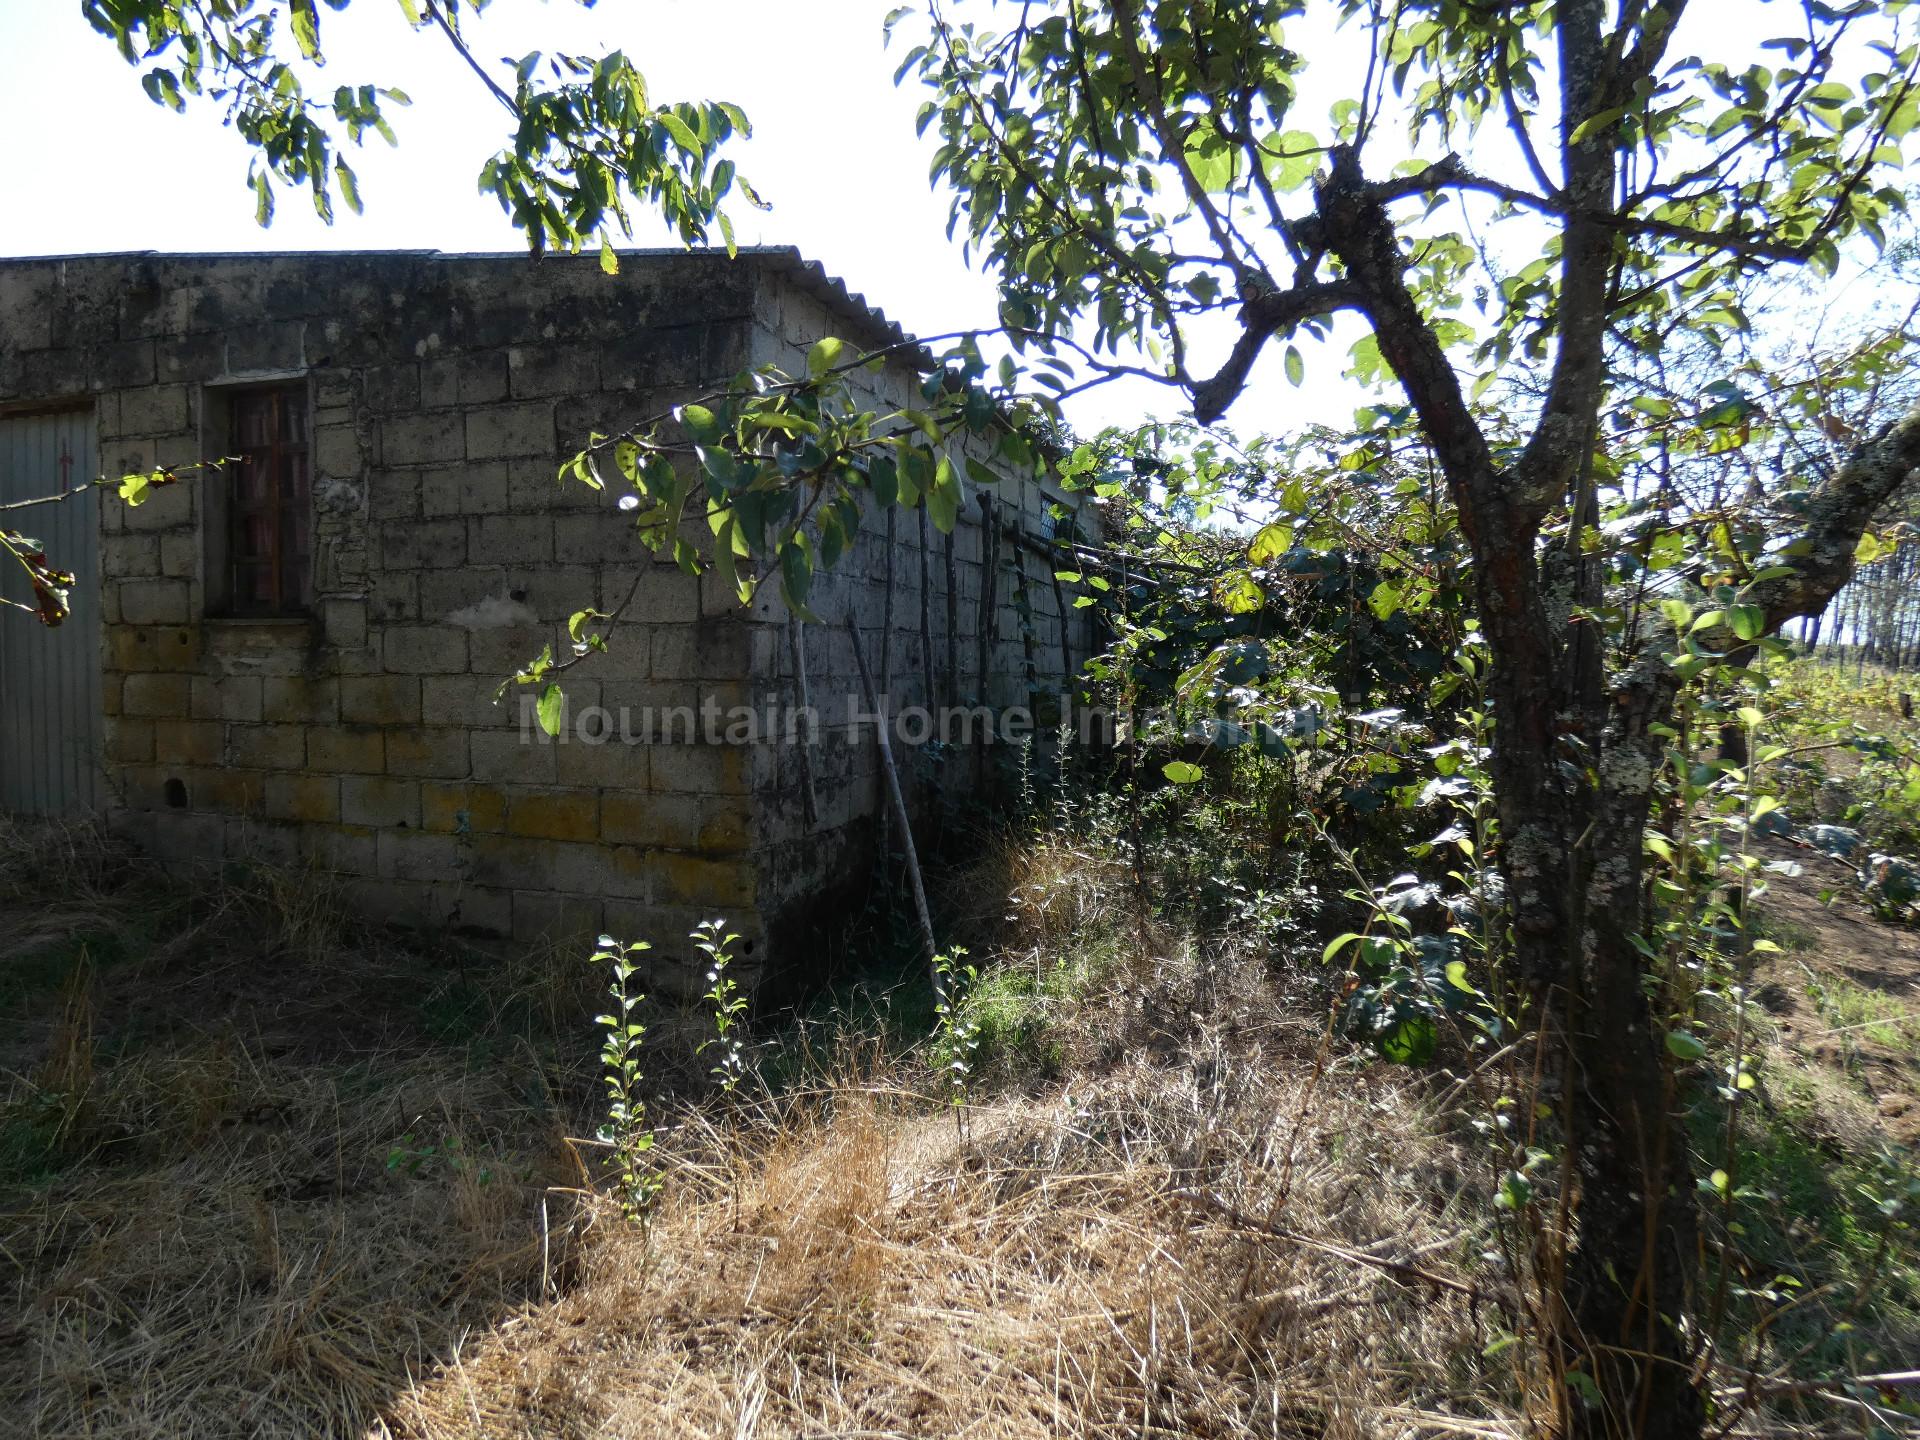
(801, 858)
(365, 738)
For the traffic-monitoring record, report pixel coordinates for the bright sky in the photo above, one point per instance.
(114, 171)
(834, 150)
(92, 165)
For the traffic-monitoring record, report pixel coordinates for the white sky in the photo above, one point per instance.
(90, 164)
(834, 148)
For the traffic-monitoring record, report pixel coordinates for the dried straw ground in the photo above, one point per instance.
(866, 1270)
(296, 1199)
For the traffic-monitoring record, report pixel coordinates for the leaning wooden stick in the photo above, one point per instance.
(899, 815)
(797, 648)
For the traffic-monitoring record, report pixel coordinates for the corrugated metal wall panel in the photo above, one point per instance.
(50, 678)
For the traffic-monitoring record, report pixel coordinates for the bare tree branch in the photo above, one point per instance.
(1264, 316)
(1840, 509)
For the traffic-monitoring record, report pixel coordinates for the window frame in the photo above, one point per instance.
(227, 512)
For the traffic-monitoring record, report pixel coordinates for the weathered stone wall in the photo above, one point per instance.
(831, 851)
(365, 739)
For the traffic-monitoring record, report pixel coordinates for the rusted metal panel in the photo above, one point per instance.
(50, 721)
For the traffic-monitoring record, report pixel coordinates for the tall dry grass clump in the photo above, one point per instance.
(1190, 1250)
(1214, 1226)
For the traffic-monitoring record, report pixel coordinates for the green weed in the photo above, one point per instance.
(1854, 1009)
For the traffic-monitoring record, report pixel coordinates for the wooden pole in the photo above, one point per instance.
(892, 778)
(797, 649)
(989, 595)
(985, 632)
(1066, 639)
(953, 625)
(886, 663)
(1023, 605)
(926, 606)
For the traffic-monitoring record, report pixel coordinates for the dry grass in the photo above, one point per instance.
(1094, 1259)
(861, 1268)
(200, 1231)
(272, 1277)
(278, 1203)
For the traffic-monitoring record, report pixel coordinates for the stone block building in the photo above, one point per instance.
(295, 658)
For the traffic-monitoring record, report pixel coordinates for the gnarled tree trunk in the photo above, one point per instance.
(1574, 762)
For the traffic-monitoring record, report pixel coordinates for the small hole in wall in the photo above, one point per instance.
(746, 947)
(176, 791)
(519, 597)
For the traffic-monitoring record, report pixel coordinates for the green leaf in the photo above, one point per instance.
(1515, 1193)
(833, 538)
(796, 574)
(551, 709)
(915, 474)
(681, 132)
(1296, 366)
(824, 355)
(1210, 158)
(1412, 1041)
(700, 423)
(727, 470)
(943, 500)
(1270, 544)
(883, 476)
(1180, 772)
(1595, 124)
(609, 261)
(1669, 548)
(781, 420)
(626, 459)
(1339, 943)
(1239, 593)
(1749, 622)
(349, 184)
(1684, 1046)
(306, 27)
(725, 532)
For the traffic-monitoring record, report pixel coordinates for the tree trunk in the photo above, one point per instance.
(1574, 766)
(1574, 758)
(1631, 1281)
